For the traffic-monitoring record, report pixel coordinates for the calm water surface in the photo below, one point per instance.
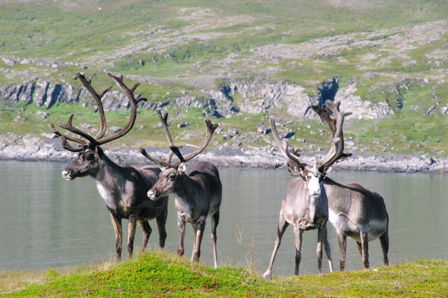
(49, 222)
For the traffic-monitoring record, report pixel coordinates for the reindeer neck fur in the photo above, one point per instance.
(187, 188)
(109, 181)
(319, 207)
(106, 172)
(191, 199)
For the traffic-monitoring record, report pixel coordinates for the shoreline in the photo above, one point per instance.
(232, 158)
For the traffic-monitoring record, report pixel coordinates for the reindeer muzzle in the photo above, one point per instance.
(67, 174)
(315, 193)
(153, 195)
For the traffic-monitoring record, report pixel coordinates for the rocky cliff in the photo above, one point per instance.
(258, 95)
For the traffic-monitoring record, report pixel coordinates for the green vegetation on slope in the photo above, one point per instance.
(159, 274)
(385, 49)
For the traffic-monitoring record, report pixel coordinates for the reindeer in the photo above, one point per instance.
(198, 193)
(122, 188)
(353, 210)
(305, 205)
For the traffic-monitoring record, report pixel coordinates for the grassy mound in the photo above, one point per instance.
(159, 274)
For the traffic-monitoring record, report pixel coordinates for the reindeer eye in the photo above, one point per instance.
(171, 177)
(89, 156)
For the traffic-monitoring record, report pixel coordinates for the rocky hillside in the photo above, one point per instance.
(242, 62)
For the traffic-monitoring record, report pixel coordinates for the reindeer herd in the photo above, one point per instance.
(141, 194)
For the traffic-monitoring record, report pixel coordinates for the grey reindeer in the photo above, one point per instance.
(354, 211)
(305, 204)
(123, 188)
(198, 193)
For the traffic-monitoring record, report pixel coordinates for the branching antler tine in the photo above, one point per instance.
(68, 137)
(293, 169)
(164, 121)
(133, 113)
(335, 109)
(283, 146)
(169, 157)
(324, 115)
(210, 130)
(67, 146)
(134, 87)
(337, 147)
(277, 139)
(68, 126)
(174, 150)
(294, 157)
(329, 159)
(88, 85)
(179, 155)
(142, 99)
(155, 160)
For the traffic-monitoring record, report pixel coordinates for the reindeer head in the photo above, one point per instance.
(90, 155)
(172, 173)
(168, 182)
(314, 176)
(87, 163)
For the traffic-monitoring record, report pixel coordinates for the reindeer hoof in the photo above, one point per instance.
(267, 275)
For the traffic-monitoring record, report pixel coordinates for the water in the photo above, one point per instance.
(49, 222)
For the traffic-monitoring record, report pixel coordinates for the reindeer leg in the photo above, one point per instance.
(327, 248)
(342, 239)
(161, 226)
(322, 240)
(365, 250)
(181, 233)
(359, 246)
(298, 233)
(146, 228)
(282, 225)
(131, 233)
(384, 240)
(116, 224)
(198, 235)
(214, 238)
(319, 252)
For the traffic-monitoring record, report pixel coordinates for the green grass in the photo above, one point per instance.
(74, 31)
(158, 274)
(406, 136)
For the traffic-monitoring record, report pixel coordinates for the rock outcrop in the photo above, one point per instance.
(259, 95)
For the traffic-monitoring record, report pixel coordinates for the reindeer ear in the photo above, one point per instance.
(328, 170)
(182, 167)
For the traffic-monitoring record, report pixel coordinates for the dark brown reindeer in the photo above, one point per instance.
(305, 205)
(198, 193)
(353, 210)
(122, 188)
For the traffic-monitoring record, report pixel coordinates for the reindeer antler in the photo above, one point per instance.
(210, 127)
(166, 162)
(99, 139)
(292, 154)
(88, 85)
(335, 121)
